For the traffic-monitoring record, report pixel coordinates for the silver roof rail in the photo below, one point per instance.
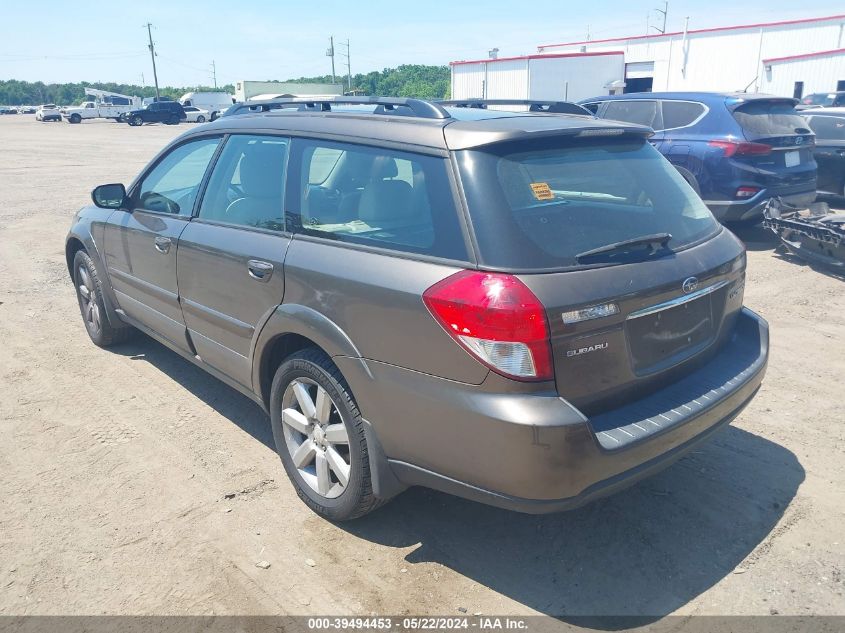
(385, 105)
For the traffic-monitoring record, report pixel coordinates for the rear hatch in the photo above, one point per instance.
(639, 283)
(783, 155)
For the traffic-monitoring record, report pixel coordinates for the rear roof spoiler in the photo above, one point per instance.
(550, 107)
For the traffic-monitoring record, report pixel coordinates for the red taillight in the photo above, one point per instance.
(747, 192)
(497, 319)
(735, 148)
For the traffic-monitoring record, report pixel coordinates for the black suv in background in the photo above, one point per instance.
(528, 310)
(170, 112)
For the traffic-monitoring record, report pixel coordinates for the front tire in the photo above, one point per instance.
(200, 119)
(319, 436)
(136, 121)
(75, 118)
(89, 292)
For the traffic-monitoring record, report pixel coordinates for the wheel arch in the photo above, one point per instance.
(291, 328)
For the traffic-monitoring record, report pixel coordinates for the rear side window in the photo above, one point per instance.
(828, 128)
(762, 118)
(680, 113)
(539, 204)
(375, 196)
(641, 112)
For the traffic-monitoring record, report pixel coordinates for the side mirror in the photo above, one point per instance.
(109, 196)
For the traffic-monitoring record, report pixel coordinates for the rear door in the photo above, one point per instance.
(789, 167)
(140, 243)
(231, 256)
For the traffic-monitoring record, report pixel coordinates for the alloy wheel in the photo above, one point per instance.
(316, 437)
(88, 298)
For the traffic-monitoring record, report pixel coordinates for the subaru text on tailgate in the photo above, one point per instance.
(526, 310)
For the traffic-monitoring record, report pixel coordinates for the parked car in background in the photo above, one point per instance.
(565, 315)
(828, 124)
(196, 115)
(736, 150)
(8, 110)
(216, 103)
(823, 100)
(27, 109)
(169, 112)
(48, 112)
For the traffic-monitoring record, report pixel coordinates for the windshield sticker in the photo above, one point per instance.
(542, 191)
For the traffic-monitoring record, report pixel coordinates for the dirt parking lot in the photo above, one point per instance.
(134, 483)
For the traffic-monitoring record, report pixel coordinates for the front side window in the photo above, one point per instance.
(541, 204)
(641, 112)
(173, 184)
(247, 185)
(375, 196)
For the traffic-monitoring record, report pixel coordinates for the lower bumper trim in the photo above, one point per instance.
(411, 475)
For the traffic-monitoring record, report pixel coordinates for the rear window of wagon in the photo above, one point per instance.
(538, 204)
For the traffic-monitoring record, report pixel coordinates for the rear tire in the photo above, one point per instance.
(89, 293)
(319, 436)
(200, 119)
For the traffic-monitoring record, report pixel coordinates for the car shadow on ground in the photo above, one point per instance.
(640, 554)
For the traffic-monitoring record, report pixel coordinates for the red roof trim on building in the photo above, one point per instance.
(835, 51)
(538, 56)
(692, 31)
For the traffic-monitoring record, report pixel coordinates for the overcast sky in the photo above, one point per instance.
(264, 39)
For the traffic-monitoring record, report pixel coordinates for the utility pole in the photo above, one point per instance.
(153, 56)
(348, 65)
(665, 12)
(330, 53)
(214, 73)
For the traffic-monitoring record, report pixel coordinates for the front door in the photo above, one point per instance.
(140, 242)
(231, 256)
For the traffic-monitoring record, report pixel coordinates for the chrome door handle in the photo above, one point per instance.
(259, 270)
(162, 244)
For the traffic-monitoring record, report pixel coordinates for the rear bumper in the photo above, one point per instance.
(536, 453)
(740, 210)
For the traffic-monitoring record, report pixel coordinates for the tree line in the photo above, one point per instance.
(408, 80)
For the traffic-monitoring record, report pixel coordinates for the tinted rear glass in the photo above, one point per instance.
(537, 205)
(769, 118)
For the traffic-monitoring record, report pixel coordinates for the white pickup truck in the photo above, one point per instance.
(95, 110)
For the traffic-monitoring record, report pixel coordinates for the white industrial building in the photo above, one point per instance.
(790, 58)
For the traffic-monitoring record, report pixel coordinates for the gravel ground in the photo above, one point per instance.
(134, 483)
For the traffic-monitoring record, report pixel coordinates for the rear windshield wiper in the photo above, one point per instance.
(650, 241)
